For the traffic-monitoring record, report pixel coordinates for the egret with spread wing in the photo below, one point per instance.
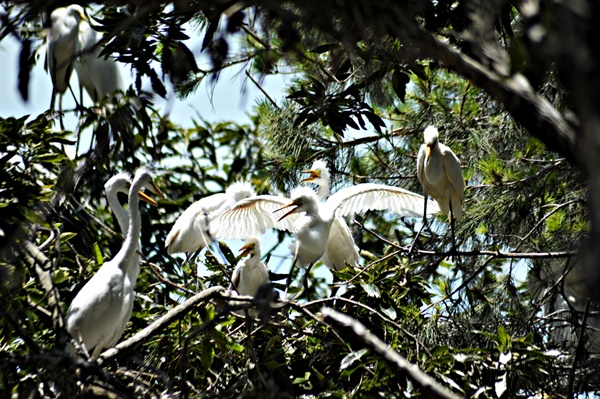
(254, 215)
(191, 231)
(341, 251)
(100, 310)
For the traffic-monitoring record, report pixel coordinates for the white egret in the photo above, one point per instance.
(341, 250)
(63, 47)
(254, 215)
(191, 232)
(96, 317)
(121, 183)
(250, 274)
(99, 76)
(439, 172)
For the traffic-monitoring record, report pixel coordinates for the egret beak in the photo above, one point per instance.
(313, 175)
(295, 203)
(246, 249)
(144, 197)
(154, 188)
(428, 150)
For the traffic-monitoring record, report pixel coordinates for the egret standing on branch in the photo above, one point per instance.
(341, 250)
(100, 310)
(254, 215)
(190, 232)
(250, 274)
(439, 172)
(63, 47)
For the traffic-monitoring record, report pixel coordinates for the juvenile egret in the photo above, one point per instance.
(63, 47)
(250, 274)
(191, 230)
(254, 215)
(341, 250)
(99, 76)
(439, 172)
(97, 315)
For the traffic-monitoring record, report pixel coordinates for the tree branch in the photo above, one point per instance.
(381, 348)
(174, 314)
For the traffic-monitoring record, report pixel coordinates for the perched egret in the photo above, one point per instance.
(250, 274)
(341, 250)
(439, 172)
(254, 215)
(191, 232)
(121, 183)
(99, 76)
(63, 47)
(96, 317)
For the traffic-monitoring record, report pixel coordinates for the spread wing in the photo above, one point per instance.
(370, 196)
(252, 216)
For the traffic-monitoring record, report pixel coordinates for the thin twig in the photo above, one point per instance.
(262, 90)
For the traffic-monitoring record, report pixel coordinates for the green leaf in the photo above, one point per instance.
(351, 358)
(371, 290)
(98, 254)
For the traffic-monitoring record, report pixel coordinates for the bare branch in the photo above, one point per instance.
(174, 314)
(381, 348)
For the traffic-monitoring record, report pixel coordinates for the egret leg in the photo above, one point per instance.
(289, 279)
(452, 228)
(305, 278)
(334, 287)
(422, 226)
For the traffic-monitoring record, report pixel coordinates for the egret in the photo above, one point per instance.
(99, 76)
(121, 183)
(439, 172)
(250, 274)
(100, 310)
(191, 232)
(63, 47)
(341, 250)
(254, 215)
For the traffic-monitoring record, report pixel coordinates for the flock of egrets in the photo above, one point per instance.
(100, 311)
(98, 314)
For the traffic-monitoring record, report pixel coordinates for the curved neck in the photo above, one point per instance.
(323, 190)
(130, 246)
(118, 210)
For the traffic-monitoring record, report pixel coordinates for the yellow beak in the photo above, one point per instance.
(428, 151)
(313, 175)
(142, 195)
(246, 249)
(294, 203)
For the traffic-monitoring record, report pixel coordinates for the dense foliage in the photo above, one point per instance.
(368, 77)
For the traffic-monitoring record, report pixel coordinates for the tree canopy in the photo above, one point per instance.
(511, 311)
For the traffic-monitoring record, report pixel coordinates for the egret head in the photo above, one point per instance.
(251, 247)
(77, 11)
(431, 138)
(318, 173)
(145, 177)
(303, 200)
(121, 183)
(240, 190)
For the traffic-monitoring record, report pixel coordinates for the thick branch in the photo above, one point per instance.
(381, 348)
(174, 314)
(529, 108)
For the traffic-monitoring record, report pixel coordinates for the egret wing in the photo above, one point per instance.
(454, 172)
(341, 250)
(370, 196)
(189, 233)
(252, 216)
